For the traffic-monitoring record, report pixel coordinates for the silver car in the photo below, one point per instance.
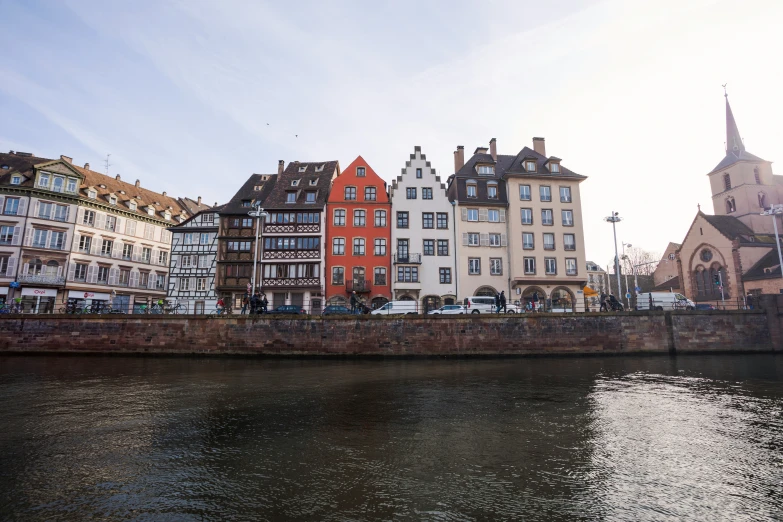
(448, 310)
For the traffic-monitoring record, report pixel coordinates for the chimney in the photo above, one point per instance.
(117, 177)
(480, 150)
(493, 149)
(138, 183)
(66, 158)
(164, 194)
(199, 200)
(86, 166)
(280, 166)
(539, 146)
(459, 158)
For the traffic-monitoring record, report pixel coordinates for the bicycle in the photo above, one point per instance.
(220, 311)
(179, 308)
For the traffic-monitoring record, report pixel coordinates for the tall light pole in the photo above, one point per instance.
(614, 219)
(773, 211)
(257, 213)
(627, 288)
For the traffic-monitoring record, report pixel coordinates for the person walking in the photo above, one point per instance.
(264, 304)
(465, 304)
(254, 303)
(245, 304)
(503, 301)
(603, 303)
(497, 303)
(535, 301)
(353, 301)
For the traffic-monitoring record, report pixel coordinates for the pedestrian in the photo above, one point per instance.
(535, 301)
(603, 303)
(353, 302)
(245, 304)
(749, 301)
(254, 303)
(220, 305)
(497, 303)
(503, 300)
(264, 303)
(465, 304)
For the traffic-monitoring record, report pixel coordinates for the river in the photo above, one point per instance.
(615, 438)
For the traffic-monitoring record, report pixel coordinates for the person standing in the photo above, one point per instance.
(749, 301)
(245, 303)
(535, 301)
(603, 303)
(264, 303)
(254, 304)
(503, 301)
(353, 302)
(465, 304)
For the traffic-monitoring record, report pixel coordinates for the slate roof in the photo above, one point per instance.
(542, 169)
(733, 157)
(248, 192)
(321, 172)
(457, 190)
(729, 226)
(193, 205)
(179, 227)
(758, 271)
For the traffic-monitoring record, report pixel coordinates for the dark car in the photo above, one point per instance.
(704, 306)
(288, 310)
(336, 310)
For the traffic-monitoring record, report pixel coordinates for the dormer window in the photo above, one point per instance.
(92, 194)
(314, 182)
(295, 182)
(319, 168)
(302, 169)
(72, 186)
(112, 200)
(57, 184)
(310, 197)
(486, 170)
(43, 180)
(102, 186)
(246, 203)
(151, 210)
(554, 168)
(132, 205)
(258, 187)
(492, 190)
(290, 197)
(4, 167)
(530, 166)
(16, 180)
(167, 215)
(360, 173)
(472, 189)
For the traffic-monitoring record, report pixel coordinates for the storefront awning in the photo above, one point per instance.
(589, 292)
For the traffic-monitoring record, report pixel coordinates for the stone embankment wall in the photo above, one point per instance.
(534, 334)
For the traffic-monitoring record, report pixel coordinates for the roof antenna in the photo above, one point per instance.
(107, 164)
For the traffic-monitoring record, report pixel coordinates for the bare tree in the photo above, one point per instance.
(643, 260)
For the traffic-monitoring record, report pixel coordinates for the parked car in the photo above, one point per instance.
(663, 301)
(336, 310)
(514, 309)
(288, 310)
(398, 308)
(481, 305)
(703, 306)
(448, 310)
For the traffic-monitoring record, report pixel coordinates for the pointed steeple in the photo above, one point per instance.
(733, 140)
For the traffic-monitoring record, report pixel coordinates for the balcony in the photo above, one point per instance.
(302, 282)
(280, 228)
(360, 286)
(407, 258)
(41, 279)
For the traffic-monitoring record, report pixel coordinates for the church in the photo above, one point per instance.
(732, 253)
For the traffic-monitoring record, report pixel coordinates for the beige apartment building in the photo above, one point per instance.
(72, 236)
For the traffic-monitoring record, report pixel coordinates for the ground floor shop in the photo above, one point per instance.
(312, 301)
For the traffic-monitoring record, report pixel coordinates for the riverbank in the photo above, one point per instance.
(485, 335)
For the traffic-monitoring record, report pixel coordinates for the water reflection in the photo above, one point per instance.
(550, 439)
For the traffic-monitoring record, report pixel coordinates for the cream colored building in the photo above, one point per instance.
(666, 269)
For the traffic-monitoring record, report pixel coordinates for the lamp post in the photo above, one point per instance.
(614, 219)
(257, 213)
(773, 211)
(627, 260)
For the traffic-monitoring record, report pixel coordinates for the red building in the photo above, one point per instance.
(358, 231)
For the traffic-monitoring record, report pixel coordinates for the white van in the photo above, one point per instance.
(480, 305)
(663, 301)
(398, 308)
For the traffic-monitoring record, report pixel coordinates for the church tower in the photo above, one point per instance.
(742, 184)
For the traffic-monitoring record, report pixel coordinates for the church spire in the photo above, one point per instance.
(733, 141)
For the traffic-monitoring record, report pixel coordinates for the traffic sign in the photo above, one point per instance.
(638, 289)
(628, 295)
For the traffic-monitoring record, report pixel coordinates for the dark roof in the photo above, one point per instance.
(735, 156)
(674, 282)
(768, 267)
(256, 188)
(193, 206)
(729, 226)
(735, 147)
(304, 174)
(458, 183)
(517, 167)
(180, 226)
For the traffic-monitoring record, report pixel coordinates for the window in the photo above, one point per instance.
(565, 194)
(730, 205)
(756, 175)
(16, 180)
(380, 276)
(359, 218)
(358, 246)
(80, 272)
(201, 284)
(190, 238)
(360, 172)
(239, 246)
(43, 180)
(71, 186)
(546, 217)
(443, 247)
(295, 182)
(11, 206)
(474, 266)
(380, 218)
(290, 197)
(338, 275)
(493, 216)
(163, 257)
(530, 265)
(380, 246)
(443, 220)
(132, 205)
(408, 274)
(92, 194)
(350, 193)
(203, 238)
(569, 242)
(60, 213)
(111, 223)
(40, 237)
(189, 261)
(554, 168)
(310, 196)
(545, 192)
(550, 265)
(144, 279)
(530, 166)
(495, 266)
(369, 193)
(494, 240)
(6, 234)
(486, 170)
(473, 214)
(184, 284)
(85, 242)
(568, 217)
(527, 216)
(103, 275)
(402, 220)
(339, 217)
(429, 247)
(549, 241)
(112, 200)
(45, 210)
(151, 211)
(427, 220)
(672, 257)
(146, 254)
(445, 276)
(106, 248)
(528, 241)
(727, 181)
(338, 246)
(418, 173)
(492, 190)
(410, 193)
(762, 200)
(473, 238)
(426, 193)
(57, 241)
(472, 189)
(89, 217)
(570, 266)
(127, 251)
(160, 282)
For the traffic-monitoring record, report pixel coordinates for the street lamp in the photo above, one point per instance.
(257, 213)
(614, 219)
(773, 211)
(627, 260)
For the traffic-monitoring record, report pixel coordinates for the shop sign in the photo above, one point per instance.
(39, 292)
(79, 294)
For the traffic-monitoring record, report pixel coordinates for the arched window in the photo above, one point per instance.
(731, 206)
(698, 275)
(762, 200)
(727, 181)
(486, 291)
(756, 175)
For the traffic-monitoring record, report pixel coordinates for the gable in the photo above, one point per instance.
(60, 167)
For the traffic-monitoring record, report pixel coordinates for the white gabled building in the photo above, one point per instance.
(194, 247)
(423, 241)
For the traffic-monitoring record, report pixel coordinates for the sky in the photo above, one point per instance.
(191, 96)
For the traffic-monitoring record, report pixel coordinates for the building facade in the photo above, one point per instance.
(422, 236)
(193, 263)
(358, 232)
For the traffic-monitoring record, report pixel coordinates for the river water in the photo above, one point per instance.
(616, 438)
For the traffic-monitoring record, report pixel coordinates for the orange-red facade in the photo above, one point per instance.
(358, 232)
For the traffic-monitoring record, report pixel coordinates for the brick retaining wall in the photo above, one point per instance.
(535, 334)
